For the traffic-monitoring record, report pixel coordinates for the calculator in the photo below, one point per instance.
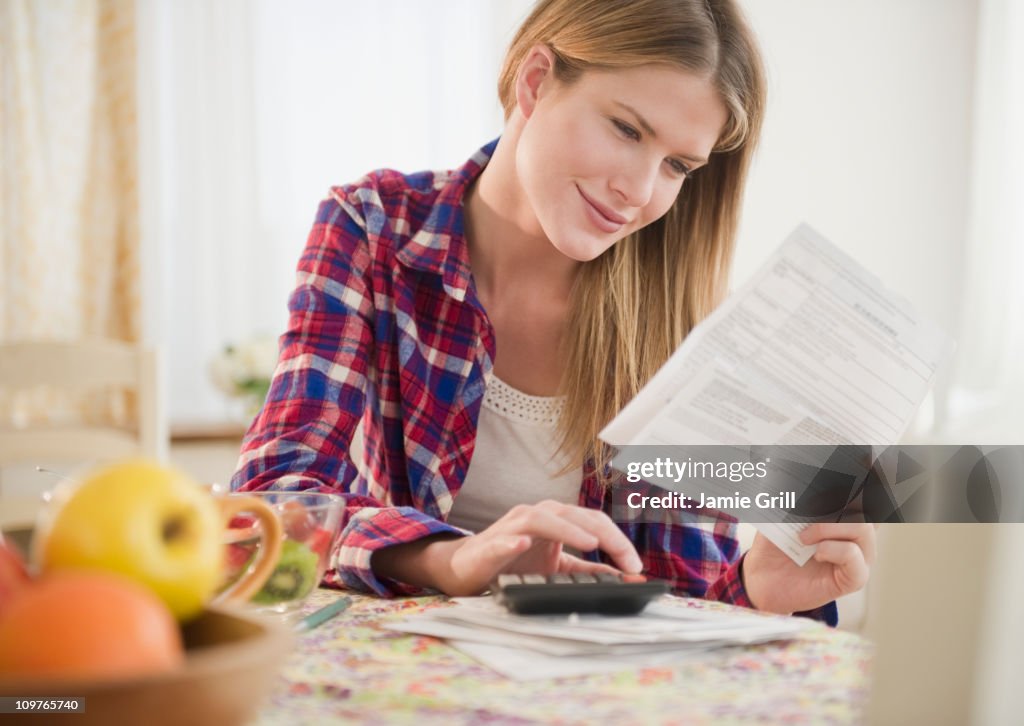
(603, 593)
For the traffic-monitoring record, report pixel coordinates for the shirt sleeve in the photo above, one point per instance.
(301, 437)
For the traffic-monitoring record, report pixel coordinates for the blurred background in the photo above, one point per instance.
(162, 161)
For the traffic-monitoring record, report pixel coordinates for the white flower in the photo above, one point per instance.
(259, 357)
(245, 369)
(222, 373)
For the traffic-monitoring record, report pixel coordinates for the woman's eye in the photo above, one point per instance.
(626, 130)
(679, 167)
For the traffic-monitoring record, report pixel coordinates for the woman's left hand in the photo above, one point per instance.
(840, 565)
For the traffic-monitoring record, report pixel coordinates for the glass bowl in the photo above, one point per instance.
(311, 522)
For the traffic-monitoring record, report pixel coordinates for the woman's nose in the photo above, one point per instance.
(634, 182)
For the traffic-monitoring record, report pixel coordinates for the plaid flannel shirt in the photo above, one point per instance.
(385, 329)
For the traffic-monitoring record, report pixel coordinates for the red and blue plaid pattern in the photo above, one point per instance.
(386, 330)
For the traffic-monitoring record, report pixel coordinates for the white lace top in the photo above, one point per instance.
(513, 458)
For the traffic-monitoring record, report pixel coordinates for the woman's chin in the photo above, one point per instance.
(583, 250)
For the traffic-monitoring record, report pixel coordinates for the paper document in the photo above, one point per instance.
(528, 647)
(523, 665)
(812, 350)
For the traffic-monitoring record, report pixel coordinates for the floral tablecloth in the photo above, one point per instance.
(352, 671)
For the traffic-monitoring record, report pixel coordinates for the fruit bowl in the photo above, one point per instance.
(311, 522)
(231, 661)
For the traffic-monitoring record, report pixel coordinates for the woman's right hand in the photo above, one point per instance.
(529, 538)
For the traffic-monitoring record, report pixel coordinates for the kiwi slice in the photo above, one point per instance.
(294, 576)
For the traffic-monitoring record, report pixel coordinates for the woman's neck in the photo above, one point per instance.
(509, 252)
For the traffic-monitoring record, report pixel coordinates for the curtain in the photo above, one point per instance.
(69, 242)
(991, 352)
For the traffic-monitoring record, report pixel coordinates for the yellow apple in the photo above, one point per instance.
(140, 519)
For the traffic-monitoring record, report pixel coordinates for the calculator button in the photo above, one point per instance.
(509, 580)
(607, 577)
(559, 579)
(534, 579)
(583, 577)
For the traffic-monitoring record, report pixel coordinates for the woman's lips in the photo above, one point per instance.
(603, 218)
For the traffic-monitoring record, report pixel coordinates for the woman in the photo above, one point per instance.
(482, 325)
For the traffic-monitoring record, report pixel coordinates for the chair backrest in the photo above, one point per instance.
(82, 366)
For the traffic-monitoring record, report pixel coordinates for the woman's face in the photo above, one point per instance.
(606, 155)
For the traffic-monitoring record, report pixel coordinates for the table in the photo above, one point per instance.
(350, 670)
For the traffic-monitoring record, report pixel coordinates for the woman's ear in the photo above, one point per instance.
(537, 66)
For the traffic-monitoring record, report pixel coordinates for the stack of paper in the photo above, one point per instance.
(528, 647)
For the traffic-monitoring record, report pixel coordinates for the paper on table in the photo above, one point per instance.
(595, 631)
(523, 665)
(657, 624)
(813, 350)
(554, 646)
(531, 647)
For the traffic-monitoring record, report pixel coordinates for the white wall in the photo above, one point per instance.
(999, 698)
(867, 138)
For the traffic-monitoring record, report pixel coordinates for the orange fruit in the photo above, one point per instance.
(88, 624)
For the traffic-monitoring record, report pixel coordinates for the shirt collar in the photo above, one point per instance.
(439, 246)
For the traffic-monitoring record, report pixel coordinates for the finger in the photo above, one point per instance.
(849, 558)
(868, 543)
(544, 524)
(610, 538)
(831, 530)
(862, 534)
(571, 563)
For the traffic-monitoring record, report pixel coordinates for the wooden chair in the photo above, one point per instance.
(79, 366)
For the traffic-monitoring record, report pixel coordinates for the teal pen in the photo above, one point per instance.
(321, 616)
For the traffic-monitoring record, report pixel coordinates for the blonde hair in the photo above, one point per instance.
(632, 306)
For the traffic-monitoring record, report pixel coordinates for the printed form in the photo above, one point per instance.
(812, 350)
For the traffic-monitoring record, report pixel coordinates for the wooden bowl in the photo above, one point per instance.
(232, 660)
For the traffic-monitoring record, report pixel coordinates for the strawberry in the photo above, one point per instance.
(297, 522)
(237, 558)
(242, 521)
(320, 542)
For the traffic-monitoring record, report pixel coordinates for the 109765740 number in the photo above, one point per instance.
(16, 704)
